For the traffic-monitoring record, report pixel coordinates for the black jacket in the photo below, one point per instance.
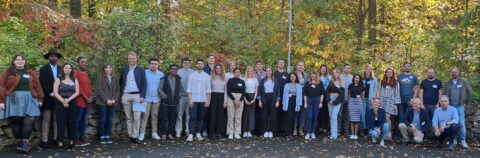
(46, 80)
(140, 79)
(424, 119)
(165, 91)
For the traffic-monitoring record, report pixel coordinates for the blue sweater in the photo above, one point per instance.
(286, 96)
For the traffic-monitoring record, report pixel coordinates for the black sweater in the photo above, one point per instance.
(235, 85)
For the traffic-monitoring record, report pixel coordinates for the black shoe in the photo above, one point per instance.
(71, 146)
(405, 144)
(136, 141)
(132, 140)
(45, 145)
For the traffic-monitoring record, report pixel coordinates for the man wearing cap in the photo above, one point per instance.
(48, 74)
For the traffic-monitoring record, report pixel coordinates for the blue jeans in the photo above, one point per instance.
(366, 105)
(312, 113)
(461, 122)
(333, 111)
(197, 117)
(384, 129)
(106, 120)
(81, 122)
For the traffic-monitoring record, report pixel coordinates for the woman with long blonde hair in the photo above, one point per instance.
(335, 93)
(251, 90)
(218, 103)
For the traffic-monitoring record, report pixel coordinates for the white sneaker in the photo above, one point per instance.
(307, 136)
(205, 134)
(265, 135)
(374, 140)
(270, 135)
(355, 137)
(190, 138)
(199, 137)
(141, 136)
(155, 136)
(382, 142)
(352, 137)
(312, 135)
(230, 136)
(249, 135)
(464, 144)
(245, 135)
(178, 134)
(237, 136)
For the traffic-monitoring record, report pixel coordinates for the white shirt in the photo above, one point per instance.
(199, 85)
(131, 84)
(251, 85)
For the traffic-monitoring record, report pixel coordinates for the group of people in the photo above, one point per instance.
(216, 102)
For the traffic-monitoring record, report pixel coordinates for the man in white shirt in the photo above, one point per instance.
(198, 90)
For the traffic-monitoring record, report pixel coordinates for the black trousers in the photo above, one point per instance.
(268, 114)
(217, 118)
(168, 114)
(288, 117)
(248, 115)
(324, 117)
(66, 117)
(22, 126)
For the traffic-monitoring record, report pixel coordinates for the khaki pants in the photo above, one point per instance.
(407, 132)
(152, 109)
(234, 125)
(47, 116)
(182, 109)
(133, 118)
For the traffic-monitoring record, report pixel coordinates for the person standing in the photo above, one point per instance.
(84, 99)
(430, 91)
(208, 68)
(236, 95)
(335, 95)
(313, 94)
(460, 93)
(259, 75)
(376, 124)
(231, 65)
(408, 87)
(355, 95)
(269, 101)
(183, 109)
(48, 75)
(300, 116)
(344, 121)
(251, 92)
(445, 122)
(280, 76)
(292, 100)
(20, 97)
(370, 83)
(169, 90)
(217, 116)
(153, 77)
(198, 89)
(389, 94)
(107, 88)
(66, 89)
(133, 85)
(324, 120)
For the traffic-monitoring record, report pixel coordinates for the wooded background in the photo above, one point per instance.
(384, 33)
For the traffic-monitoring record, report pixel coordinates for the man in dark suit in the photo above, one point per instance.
(416, 123)
(133, 85)
(48, 74)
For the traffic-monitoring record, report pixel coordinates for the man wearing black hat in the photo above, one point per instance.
(48, 74)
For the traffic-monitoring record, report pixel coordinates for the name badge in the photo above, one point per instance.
(388, 87)
(240, 85)
(423, 123)
(411, 77)
(284, 77)
(376, 118)
(435, 86)
(313, 86)
(459, 86)
(26, 76)
(358, 96)
(369, 82)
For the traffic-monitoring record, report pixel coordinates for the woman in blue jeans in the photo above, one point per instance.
(376, 122)
(336, 95)
(313, 96)
(108, 94)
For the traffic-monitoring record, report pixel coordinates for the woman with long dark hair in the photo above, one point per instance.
(292, 100)
(355, 103)
(269, 100)
(20, 97)
(313, 97)
(65, 90)
(324, 119)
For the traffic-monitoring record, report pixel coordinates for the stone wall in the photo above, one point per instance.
(119, 127)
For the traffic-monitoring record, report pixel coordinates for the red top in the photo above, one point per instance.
(85, 87)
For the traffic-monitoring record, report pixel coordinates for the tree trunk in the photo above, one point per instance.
(372, 21)
(76, 8)
(92, 8)
(361, 22)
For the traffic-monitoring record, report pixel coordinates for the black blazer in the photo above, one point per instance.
(263, 97)
(140, 79)
(165, 91)
(46, 80)
(424, 119)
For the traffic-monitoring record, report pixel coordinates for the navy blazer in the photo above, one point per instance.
(371, 118)
(140, 79)
(46, 80)
(263, 96)
(424, 119)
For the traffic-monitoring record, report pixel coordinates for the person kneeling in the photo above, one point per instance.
(416, 123)
(376, 122)
(445, 122)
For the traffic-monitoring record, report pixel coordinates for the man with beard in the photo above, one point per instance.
(430, 90)
(408, 85)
